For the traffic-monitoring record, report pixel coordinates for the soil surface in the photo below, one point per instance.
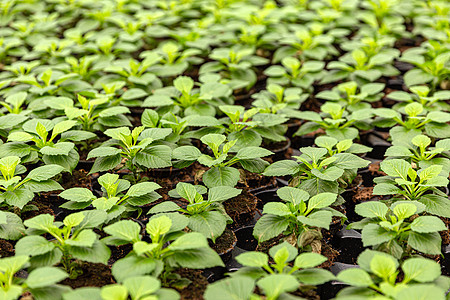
(93, 275)
(241, 208)
(6, 248)
(196, 288)
(225, 242)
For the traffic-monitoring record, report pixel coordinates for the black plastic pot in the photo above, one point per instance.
(281, 182)
(84, 165)
(402, 66)
(164, 172)
(60, 213)
(349, 244)
(214, 274)
(445, 263)
(280, 152)
(396, 84)
(298, 142)
(378, 144)
(245, 239)
(267, 196)
(225, 255)
(261, 189)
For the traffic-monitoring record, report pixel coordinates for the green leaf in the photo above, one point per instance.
(282, 168)
(98, 253)
(183, 84)
(44, 172)
(73, 220)
(188, 192)
(309, 260)
(428, 224)
(436, 205)
(396, 168)
(421, 292)
(33, 245)
(252, 152)
(366, 257)
(209, 223)
(189, 153)
(253, 259)
(321, 200)
(196, 258)
(373, 234)
(321, 219)
(383, 266)
(404, 210)
(68, 162)
(355, 277)
(349, 161)
(45, 276)
(134, 93)
(114, 292)
(125, 230)
(276, 208)
(314, 276)
(421, 269)
(106, 163)
(222, 193)
(103, 152)
(190, 240)
(416, 76)
(235, 288)
(19, 197)
(328, 174)
(77, 194)
(40, 222)
(385, 189)
(61, 148)
(11, 228)
(430, 172)
(429, 243)
(159, 156)
(269, 226)
(141, 287)
(113, 111)
(86, 238)
(62, 127)
(213, 140)
(142, 188)
(293, 195)
(276, 284)
(221, 176)
(371, 209)
(92, 293)
(159, 226)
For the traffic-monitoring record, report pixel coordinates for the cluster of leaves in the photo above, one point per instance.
(380, 276)
(76, 77)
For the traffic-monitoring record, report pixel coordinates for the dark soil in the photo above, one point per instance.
(374, 169)
(78, 178)
(445, 235)
(225, 242)
(255, 181)
(119, 252)
(43, 203)
(169, 177)
(329, 253)
(275, 146)
(241, 208)
(93, 275)
(6, 248)
(196, 288)
(363, 194)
